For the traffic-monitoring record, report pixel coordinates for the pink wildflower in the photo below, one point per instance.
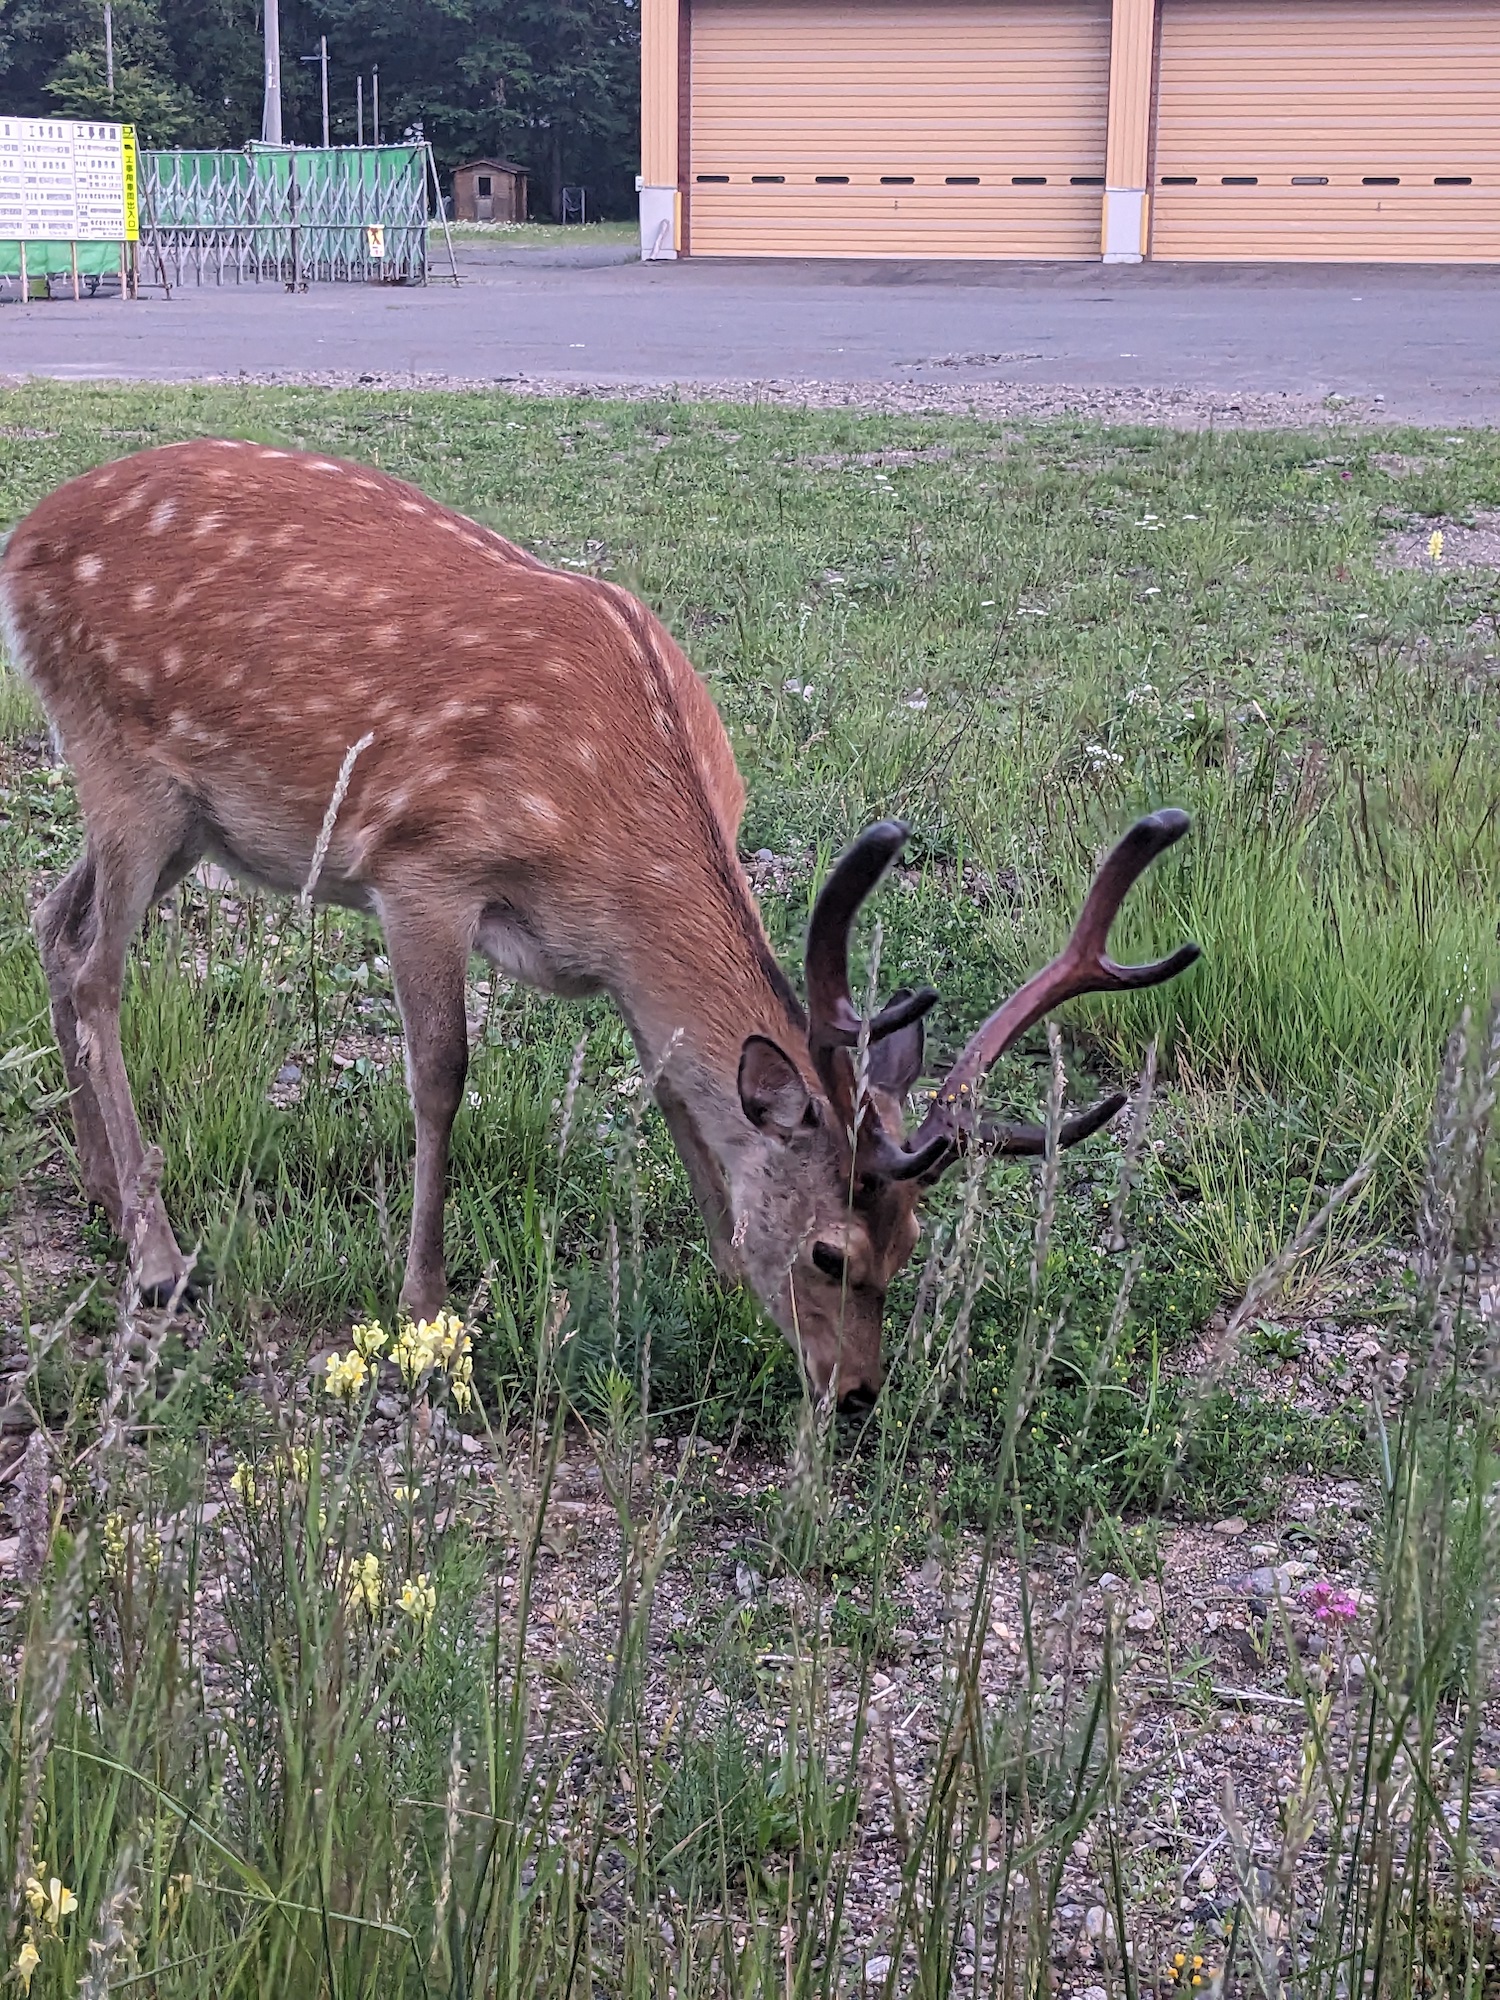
(1325, 1602)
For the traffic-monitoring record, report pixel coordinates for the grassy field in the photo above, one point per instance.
(1016, 640)
(536, 235)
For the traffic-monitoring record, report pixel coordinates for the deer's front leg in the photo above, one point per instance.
(428, 961)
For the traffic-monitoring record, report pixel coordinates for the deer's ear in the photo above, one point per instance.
(772, 1094)
(896, 1060)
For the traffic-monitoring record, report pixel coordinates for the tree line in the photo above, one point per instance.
(552, 84)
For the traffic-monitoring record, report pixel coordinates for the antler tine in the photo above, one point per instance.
(1082, 966)
(833, 1019)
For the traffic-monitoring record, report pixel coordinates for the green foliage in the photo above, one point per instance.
(733, 1813)
(553, 83)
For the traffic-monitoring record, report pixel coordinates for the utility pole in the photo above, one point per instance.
(322, 57)
(375, 101)
(270, 118)
(359, 105)
(109, 51)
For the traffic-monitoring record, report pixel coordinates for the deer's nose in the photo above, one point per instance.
(859, 1400)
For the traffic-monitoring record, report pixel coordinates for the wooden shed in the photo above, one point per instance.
(1203, 130)
(489, 191)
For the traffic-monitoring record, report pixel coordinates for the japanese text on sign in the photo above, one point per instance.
(62, 181)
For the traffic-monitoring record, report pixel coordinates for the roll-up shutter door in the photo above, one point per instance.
(896, 128)
(1337, 129)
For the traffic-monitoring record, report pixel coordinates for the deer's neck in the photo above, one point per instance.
(697, 990)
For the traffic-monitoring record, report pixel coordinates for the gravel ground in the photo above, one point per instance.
(1177, 409)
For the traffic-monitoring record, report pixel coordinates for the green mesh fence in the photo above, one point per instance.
(289, 215)
(95, 260)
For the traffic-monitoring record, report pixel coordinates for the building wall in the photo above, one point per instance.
(1197, 76)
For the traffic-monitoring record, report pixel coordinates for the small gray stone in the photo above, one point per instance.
(288, 1073)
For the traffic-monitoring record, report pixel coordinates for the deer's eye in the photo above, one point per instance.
(831, 1262)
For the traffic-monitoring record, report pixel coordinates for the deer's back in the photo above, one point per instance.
(228, 620)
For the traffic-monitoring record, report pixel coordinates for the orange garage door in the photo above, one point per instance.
(879, 128)
(1340, 129)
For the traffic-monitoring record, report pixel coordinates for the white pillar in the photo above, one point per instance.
(661, 210)
(1123, 233)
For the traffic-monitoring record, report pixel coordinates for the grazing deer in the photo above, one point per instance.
(217, 628)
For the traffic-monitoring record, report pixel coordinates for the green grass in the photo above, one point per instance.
(1016, 640)
(534, 235)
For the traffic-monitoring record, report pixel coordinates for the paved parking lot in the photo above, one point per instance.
(1423, 339)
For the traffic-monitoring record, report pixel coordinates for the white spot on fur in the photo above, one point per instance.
(522, 714)
(181, 597)
(171, 660)
(207, 524)
(143, 596)
(586, 754)
(536, 807)
(386, 636)
(88, 569)
(414, 507)
(470, 639)
(163, 514)
(323, 465)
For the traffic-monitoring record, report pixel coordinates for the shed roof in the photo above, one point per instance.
(504, 166)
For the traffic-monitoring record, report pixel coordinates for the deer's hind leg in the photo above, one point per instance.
(64, 930)
(127, 866)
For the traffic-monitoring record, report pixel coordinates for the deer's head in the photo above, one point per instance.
(827, 1205)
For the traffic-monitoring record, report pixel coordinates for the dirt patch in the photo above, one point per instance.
(1404, 465)
(1465, 545)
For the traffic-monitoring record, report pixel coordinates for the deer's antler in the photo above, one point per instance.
(1082, 966)
(833, 1020)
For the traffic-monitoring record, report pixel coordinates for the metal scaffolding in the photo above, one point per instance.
(286, 215)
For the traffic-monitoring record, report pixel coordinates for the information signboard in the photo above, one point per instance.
(65, 181)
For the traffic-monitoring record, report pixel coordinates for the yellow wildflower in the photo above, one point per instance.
(418, 1600)
(406, 1495)
(114, 1544)
(243, 1483)
(413, 1352)
(1435, 545)
(362, 1583)
(27, 1960)
(369, 1338)
(50, 1905)
(462, 1379)
(346, 1375)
